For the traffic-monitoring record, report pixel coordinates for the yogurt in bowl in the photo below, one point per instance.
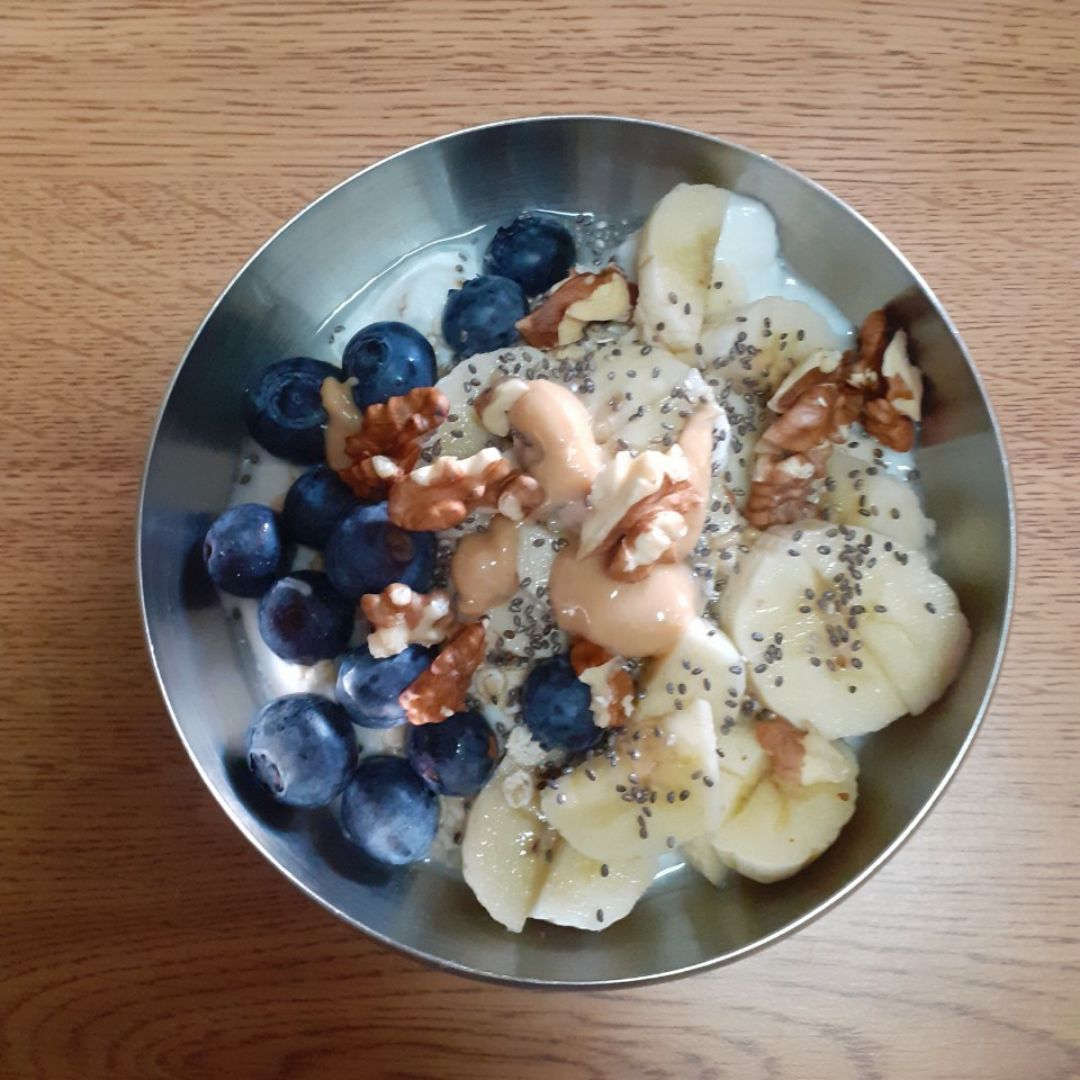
(680, 561)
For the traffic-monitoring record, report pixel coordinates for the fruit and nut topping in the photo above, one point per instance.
(606, 555)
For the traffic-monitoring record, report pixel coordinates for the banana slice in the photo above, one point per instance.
(675, 260)
(861, 493)
(782, 827)
(842, 629)
(622, 383)
(462, 435)
(657, 788)
(588, 894)
(657, 424)
(705, 859)
(524, 625)
(503, 853)
(704, 664)
(826, 762)
(518, 868)
(761, 342)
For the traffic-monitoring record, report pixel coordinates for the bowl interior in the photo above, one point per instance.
(615, 168)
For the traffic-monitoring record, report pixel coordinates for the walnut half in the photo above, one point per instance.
(610, 684)
(400, 617)
(440, 691)
(648, 532)
(443, 494)
(582, 298)
(388, 443)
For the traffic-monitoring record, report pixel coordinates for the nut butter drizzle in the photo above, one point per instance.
(484, 568)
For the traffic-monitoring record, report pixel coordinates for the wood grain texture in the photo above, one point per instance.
(145, 151)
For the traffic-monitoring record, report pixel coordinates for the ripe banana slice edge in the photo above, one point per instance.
(675, 261)
(782, 827)
(841, 629)
(705, 665)
(588, 894)
(658, 787)
(758, 344)
(860, 494)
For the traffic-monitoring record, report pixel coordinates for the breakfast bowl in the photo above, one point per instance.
(294, 298)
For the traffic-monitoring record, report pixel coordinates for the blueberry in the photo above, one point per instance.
(316, 502)
(365, 553)
(533, 251)
(303, 619)
(389, 812)
(480, 316)
(455, 757)
(388, 359)
(556, 706)
(244, 550)
(369, 689)
(284, 411)
(302, 749)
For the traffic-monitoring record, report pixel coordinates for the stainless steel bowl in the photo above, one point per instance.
(616, 168)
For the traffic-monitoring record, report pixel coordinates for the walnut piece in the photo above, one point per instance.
(586, 654)
(518, 496)
(387, 445)
(610, 684)
(638, 513)
(816, 403)
(648, 532)
(400, 617)
(444, 493)
(814, 419)
(627, 479)
(440, 691)
(783, 743)
(818, 368)
(891, 419)
(581, 298)
(781, 485)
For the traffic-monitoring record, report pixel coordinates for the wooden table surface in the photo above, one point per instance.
(145, 151)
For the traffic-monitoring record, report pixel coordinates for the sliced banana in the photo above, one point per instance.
(761, 342)
(675, 260)
(524, 625)
(862, 494)
(658, 423)
(622, 382)
(704, 664)
(826, 762)
(725, 541)
(462, 435)
(748, 418)
(503, 852)
(782, 827)
(588, 894)
(746, 258)
(843, 630)
(705, 859)
(658, 788)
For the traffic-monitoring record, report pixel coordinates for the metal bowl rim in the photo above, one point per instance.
(830, 901)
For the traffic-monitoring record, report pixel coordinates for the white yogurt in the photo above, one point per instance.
(748, 259)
